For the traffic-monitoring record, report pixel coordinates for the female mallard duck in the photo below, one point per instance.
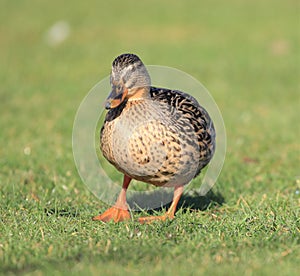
(155, 135)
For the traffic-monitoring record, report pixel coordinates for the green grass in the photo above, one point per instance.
(245, 53)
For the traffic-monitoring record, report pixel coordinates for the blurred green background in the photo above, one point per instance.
(52, 53)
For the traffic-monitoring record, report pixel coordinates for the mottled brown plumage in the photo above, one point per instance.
(164, 140)
(155, 135)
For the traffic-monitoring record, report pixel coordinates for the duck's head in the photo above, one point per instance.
(129, 76)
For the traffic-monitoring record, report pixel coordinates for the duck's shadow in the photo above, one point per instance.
(194, 201)
(188, 201)
(198, 202)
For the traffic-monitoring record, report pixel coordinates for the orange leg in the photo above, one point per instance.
(119, 211)
(170, 213)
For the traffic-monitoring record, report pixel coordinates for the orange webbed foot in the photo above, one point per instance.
(113, 213)
(170, 213)
(150, 219)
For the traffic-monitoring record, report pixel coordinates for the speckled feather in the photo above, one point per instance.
(164, 139)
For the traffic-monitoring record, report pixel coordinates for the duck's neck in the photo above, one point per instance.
(141, 93)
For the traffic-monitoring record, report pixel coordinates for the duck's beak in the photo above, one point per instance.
(116, 97)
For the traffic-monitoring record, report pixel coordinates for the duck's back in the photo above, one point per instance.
(165, 139)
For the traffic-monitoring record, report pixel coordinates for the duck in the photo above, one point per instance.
(159, 136)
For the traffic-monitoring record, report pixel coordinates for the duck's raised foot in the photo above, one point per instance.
(113, 213)
(150, 219)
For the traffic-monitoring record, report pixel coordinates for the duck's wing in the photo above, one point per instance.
(191, 117)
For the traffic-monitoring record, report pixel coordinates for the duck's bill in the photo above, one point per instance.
(115, 98)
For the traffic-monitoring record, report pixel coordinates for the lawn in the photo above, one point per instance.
(245, 52)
